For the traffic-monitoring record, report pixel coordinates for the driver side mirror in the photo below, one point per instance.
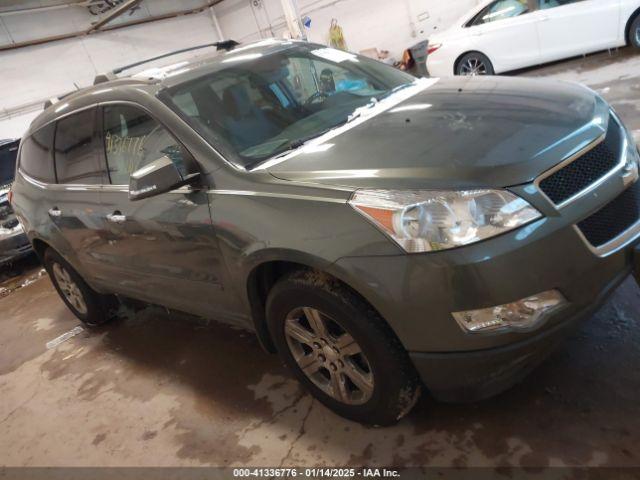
(159, 176)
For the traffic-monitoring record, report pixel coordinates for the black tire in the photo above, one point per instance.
(634, 33)
(98, 309)
(395, 388)
(474, 63)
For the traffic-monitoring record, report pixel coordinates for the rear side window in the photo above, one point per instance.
(36, 159)
(77, 150)
(500, 10)
(133, 139)
(546, 4)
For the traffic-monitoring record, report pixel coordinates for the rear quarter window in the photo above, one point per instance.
(36, 156)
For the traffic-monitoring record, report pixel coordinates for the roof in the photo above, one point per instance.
(180, 72)
(85, 97)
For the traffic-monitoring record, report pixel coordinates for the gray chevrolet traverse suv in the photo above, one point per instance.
(380, 232)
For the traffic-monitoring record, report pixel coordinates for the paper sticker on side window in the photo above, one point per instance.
(333, 55)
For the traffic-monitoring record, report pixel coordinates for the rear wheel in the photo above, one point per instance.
(89, 306)
(634, 33)
(474, 64)
(340, 349)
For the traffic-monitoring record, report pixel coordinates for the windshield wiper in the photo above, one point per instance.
(394, 90)
(299, 143)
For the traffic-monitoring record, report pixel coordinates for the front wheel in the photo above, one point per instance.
(474, 64)
(89, 306)
(340, 349)
(634, 33)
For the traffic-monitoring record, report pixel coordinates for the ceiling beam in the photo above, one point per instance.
(126, 6)
(64, 36)
(5, 11)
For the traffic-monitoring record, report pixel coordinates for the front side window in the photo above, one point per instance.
(132, 139)
(36, 155)
(546, 4)
(76, 150)
(259, 106)
(501, 10)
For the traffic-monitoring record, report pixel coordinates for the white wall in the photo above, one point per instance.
(29, 75)
(392, 25)
(58, 19)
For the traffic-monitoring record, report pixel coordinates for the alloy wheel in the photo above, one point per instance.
(638, 36)
(329, 356)
(69, 288)
(473, 66)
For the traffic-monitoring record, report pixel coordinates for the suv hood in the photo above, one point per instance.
(457, 133)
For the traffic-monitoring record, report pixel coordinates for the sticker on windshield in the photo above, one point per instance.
(333, 55)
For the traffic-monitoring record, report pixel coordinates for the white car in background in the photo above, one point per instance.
(504, 35)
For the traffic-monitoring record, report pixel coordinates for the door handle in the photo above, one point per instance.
(55, 212)
(117, 217)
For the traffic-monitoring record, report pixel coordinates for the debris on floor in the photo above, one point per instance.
(18, 282)
(64, 337)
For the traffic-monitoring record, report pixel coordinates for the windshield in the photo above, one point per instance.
(272, 104)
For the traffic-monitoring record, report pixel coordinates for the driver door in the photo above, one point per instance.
(505, 31)
(162, 249)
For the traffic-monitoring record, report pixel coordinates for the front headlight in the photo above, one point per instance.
(425, 221)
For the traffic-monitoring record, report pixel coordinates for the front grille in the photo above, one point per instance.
(614, 219)
(588, 168)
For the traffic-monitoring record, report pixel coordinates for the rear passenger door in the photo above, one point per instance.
(161, 249)
(73, 205)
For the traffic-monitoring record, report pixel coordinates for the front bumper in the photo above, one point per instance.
(439, 66)
(14, 247)
(473, 376)
(417, 294)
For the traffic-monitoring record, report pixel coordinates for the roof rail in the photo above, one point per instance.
(53, 100)
(105, 77)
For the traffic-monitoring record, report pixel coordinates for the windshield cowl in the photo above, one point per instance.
(359, 116)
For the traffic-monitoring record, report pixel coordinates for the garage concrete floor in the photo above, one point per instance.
(159, 389)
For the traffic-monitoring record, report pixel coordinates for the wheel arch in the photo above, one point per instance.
(263, 276)
(627, 28)
(39, 247)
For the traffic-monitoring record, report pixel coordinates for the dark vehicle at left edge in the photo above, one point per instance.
(14, 243)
